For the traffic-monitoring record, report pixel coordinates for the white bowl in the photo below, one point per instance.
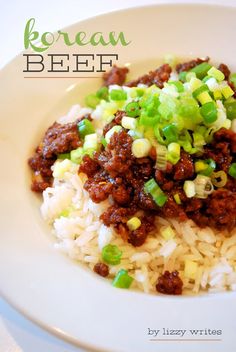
(49, 288)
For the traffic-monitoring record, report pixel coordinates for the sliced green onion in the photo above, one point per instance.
(217, 94)
(204, 98)
(167, 233)
(92, 101)
(85, 127)
(129, 123)
(205, 79)
(179, 86)
(200, 90)
(132, 109)
(155, 191)
(174, 148)
(170, 133)
(209, 112)
(122, 279)
(148, 120)
(173, 153)
(227, 91)
(190, 269)
(203, 186)
(219, 178)
(217, 74)
(232, 170)
(201, 70)
(190, 75)
(211, 167)
(194, 83)
(118, 95)
(189, 189)
(177, 199)
(161, 159)
(205, 167)
(230, 106)
(188, 107)
(90, 142)
(198, 140)
(104, 142)
(182, 76)
(111, 254)
(60, 167)
(232, 78)
(76, 155)
(199, 166)
(141, 147)
(159, 135)
(133, 223)
(102, 93)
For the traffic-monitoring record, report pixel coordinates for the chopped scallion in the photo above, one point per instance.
(122, 279)
(111, 254)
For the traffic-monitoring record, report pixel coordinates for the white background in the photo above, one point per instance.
(16, 333)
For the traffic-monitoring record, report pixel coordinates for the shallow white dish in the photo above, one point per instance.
(49, 288)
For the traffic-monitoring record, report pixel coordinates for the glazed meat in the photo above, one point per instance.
(158, 77)
(117, 75)
(170, 283)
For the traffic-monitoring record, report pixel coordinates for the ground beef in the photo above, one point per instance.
(122, 194)
(143, 168)
(170, 283)
(138, 237)
(222, 149)
(101, 269)
(40, 183)
(118, 159)
(173, 210)
(60, 139)
(42, 176)
(186, 66)
(224, 135)
(184, 169)
(193, 205)
(224, 68)
(89, 166)
(117, 75)
(115, 215)
(221, 209)
(144, 201)
(165, 183)
(41, 165)
(98, 187)
(158, 77)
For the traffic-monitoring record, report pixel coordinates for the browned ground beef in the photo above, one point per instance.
(170, 283)
(89, 166)
(224, 68)
(116, 75)
(184, 169)
(101, 269)
(186, 66)
(58, 139)
(158, 77)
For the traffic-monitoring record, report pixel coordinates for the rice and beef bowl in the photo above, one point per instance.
(141, 183)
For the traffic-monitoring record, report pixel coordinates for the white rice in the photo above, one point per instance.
(81, 235)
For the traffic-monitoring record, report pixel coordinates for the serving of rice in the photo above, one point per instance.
(74, 218)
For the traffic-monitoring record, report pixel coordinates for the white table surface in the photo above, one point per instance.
(18, 334)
